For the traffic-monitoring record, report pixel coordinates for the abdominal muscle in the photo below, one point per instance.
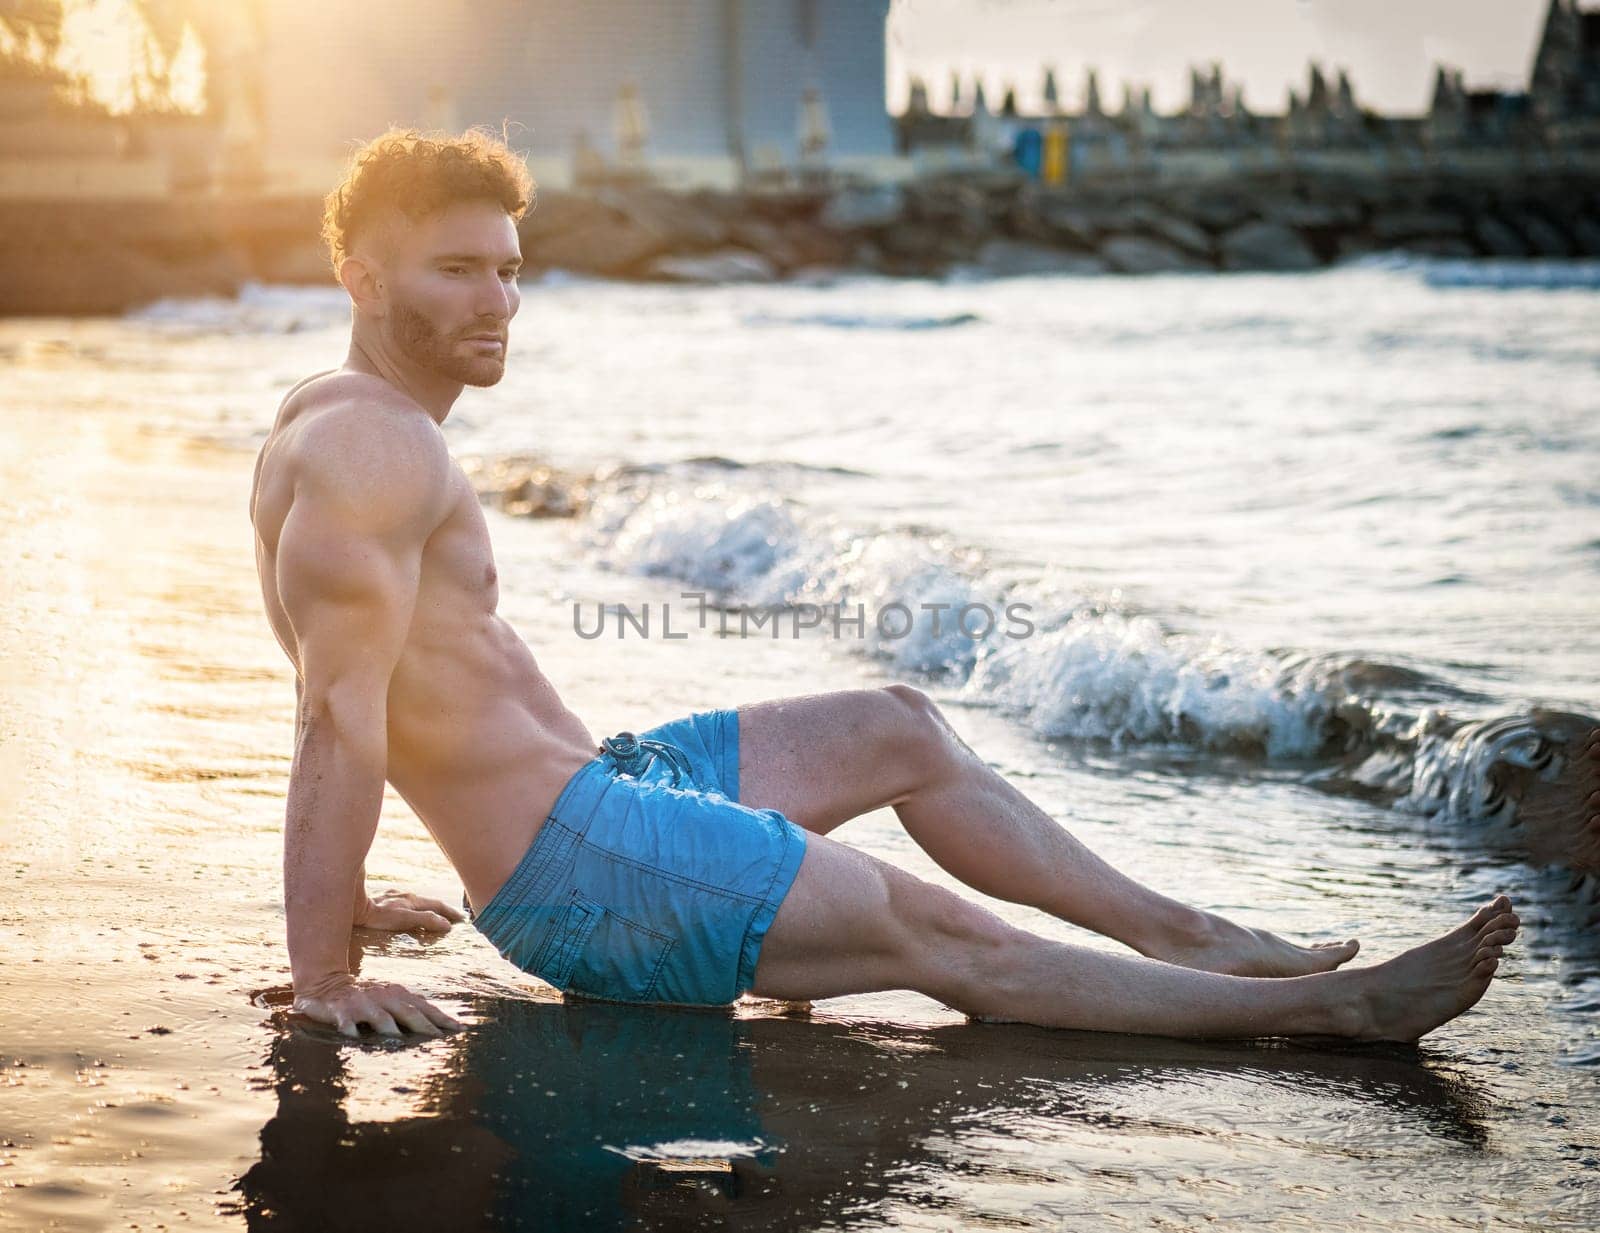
(480, 746)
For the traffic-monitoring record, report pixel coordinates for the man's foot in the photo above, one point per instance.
(1214, 944)
(1430, 984)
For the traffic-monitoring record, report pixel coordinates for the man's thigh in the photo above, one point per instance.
(836, 931)
(822, 759)
(852, 923)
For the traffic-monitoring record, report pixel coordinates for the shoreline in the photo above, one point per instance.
(81, 257)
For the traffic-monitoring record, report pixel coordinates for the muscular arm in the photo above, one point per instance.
(371, 484)
(361, 901)
(394, 910)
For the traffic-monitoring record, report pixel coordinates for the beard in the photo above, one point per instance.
(421, 342)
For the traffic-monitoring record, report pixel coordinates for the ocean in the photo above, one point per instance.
(1250, 580)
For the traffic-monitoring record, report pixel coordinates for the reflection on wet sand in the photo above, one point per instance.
(580, 1114)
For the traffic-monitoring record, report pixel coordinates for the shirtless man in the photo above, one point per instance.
(693, 864)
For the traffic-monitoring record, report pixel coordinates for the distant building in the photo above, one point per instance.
(1565, 88)
(1327, 116)
(937, 138)
(690, 91)
(1216, 134)
(1462, 118)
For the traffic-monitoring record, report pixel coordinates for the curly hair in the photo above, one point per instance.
(420, 174)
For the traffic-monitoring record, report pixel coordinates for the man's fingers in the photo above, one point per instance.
(414, 1019)
(368, 1008)
(443, 909)
(419, 1014)
(325, 1012)
(437, 907)
(389, 1009)
(392, 918)
(383, 1023)
(420, 903)
(438, 1017)
(430, 921)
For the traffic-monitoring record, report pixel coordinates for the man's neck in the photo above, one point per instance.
(433, 393)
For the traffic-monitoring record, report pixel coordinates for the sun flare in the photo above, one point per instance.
(110, 55)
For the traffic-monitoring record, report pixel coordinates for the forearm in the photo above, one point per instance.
(335, 794)
(359, 903)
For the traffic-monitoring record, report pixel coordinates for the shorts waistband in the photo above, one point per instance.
(631, 755)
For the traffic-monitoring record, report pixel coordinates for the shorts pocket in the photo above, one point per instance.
(616, 958)
(564, 941)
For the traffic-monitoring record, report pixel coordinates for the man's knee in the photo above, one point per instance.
(912, 697)
(923, 734)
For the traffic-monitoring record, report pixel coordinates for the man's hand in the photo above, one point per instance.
(398, 911)
(341, 1001)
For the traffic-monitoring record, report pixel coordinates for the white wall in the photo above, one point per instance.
(336, 72)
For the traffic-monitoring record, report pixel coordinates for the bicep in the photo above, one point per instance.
(349, 592)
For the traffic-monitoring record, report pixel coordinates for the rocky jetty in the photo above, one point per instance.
(88, 257)
(94, 256)
(527, 487)
(1002, 224)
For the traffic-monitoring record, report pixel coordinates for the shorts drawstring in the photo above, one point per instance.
(631, 756)
(626, 754)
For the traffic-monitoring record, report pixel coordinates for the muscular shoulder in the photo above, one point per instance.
(370, 457)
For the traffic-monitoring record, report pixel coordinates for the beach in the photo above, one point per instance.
(1302, 556)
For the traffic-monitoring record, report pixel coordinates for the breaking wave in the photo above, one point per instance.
(1509, 273)
(258, 309)
(864, 321)
(1074, 665)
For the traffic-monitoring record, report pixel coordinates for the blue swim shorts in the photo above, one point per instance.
(649, 882)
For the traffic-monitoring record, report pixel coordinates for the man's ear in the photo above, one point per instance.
(363, 282)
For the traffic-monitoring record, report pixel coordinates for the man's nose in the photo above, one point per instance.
(496, 298)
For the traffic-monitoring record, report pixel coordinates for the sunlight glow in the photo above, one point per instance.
(114, 60)
(109, 49)
(30, 50)
(186, 75)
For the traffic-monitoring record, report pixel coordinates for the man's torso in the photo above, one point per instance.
(479, 745)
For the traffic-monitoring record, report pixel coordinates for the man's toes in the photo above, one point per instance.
(1332, 955)
(1485, 968)
(1488, 912)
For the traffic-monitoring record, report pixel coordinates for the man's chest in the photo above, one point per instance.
(457, 567)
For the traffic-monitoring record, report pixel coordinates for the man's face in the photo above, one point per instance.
(453, 291)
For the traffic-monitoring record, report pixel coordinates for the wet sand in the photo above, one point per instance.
(152, 1080)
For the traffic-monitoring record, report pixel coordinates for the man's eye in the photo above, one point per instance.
(454, 269)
